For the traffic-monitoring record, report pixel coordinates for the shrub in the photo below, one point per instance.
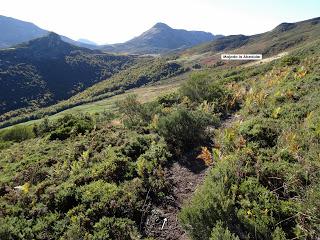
(200, 88)
(15, 228)
(4, 144)
(257, 206)
(134, 113)
(137, 145)
(97, 191)
(290, 60)
(221, 233)
(212, 202)
(184, 129)
(112, 167)
(278, 234)
(149, 167)
(70, 125)
(17, 134)
(115, 228)
(259, 131)
(169, 99)
(157, 154)
(43, 127)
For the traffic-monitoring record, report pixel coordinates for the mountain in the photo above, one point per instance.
(46, 70)
(280, 39)
(14, 31)
(161, 39)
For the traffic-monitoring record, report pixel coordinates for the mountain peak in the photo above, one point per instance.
(283, 27)
(52, 40)
(49, 46)
(53, 36)
(161, 25)
(161, 38)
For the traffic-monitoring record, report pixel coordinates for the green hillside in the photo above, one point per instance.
(145, 71)
(284, 37)
(47, 70)
(264, 175)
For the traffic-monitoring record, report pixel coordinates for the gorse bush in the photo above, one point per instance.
(184, 129)
(115, 228)
(70, 125)
(290, 60)
(214, 201)
(201, 88)
(135, 114)
(170, 99)
(17, 133)
(262, 132)
(220, 233)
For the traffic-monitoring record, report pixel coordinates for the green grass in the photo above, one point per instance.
(144, 94)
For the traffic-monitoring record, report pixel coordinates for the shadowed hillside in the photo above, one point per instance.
(46, 70)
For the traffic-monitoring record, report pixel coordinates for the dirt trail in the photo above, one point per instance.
(230, 120)
(266, 60)
(184, 176)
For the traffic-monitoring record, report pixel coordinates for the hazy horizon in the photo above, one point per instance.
(118, 21)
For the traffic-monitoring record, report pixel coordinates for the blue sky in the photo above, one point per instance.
(111, 21)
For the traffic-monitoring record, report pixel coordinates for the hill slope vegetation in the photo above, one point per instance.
(255, 128)
(284, 37)
(95, 176)
(46, 70)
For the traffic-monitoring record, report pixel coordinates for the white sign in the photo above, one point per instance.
(241, 57)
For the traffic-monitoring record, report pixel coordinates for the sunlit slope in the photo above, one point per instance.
(284, 37)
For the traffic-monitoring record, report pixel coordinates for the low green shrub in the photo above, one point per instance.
(201, 88)
(17, 134)
(260, 131)
(290, 60)
(221, 233)
(184, 129)
(70, 125)
(170, 99)
(115, 228)
(214, 201)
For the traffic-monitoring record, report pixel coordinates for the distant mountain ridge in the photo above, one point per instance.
(14, 31)
(161, 39)
(282, 37)
(86, 41)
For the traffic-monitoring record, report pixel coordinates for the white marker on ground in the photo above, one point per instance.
(164, 222)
